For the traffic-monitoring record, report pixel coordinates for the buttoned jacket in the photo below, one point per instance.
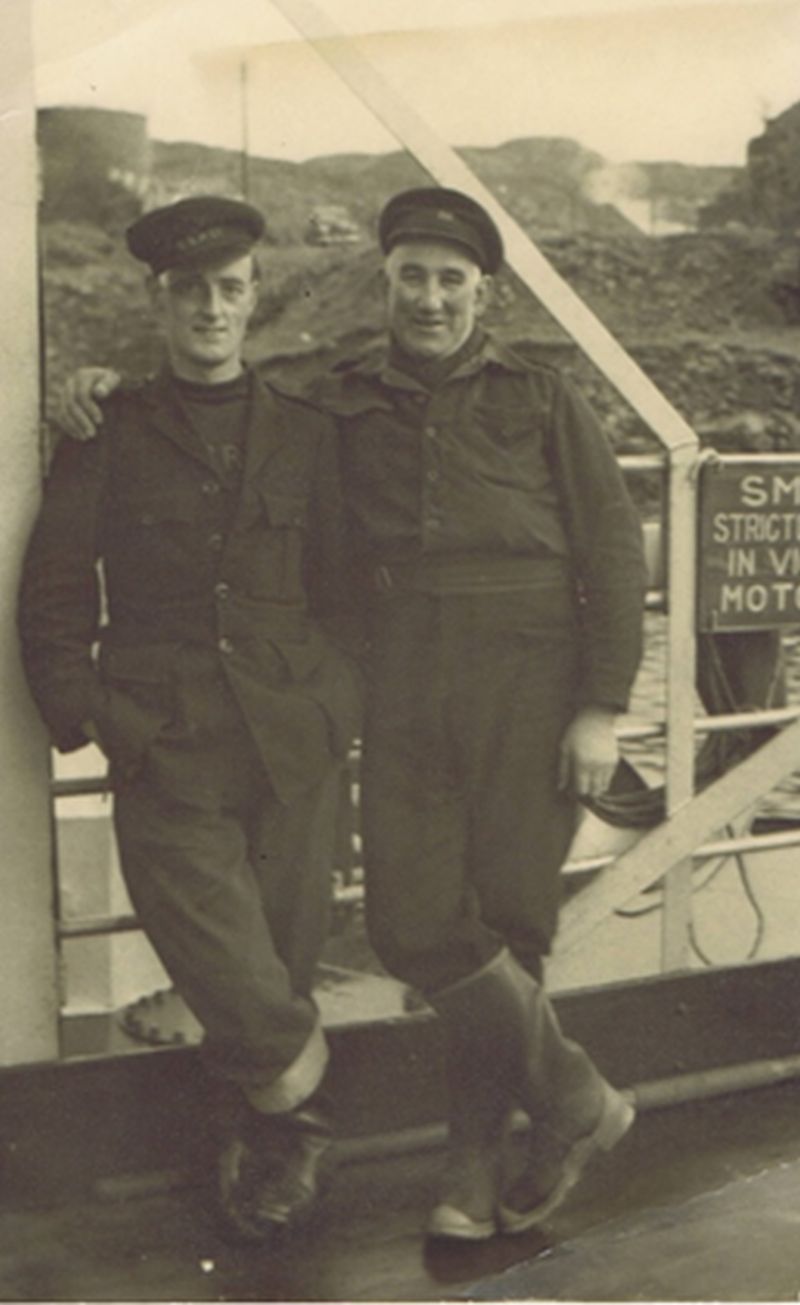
(253, 585)
(503, 459)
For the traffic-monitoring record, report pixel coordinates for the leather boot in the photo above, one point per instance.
(269, 1168)
(573, 1111)
(479, 1112)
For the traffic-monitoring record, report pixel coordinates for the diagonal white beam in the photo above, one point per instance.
(674, 433)
(444, 164)
(674, 840)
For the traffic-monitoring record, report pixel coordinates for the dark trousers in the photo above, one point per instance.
(232, 888)
(464, 828)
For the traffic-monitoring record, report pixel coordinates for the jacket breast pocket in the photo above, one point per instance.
(271, 545)
(506, 426)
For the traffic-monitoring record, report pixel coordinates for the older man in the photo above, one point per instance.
(213, 504)
(502, 567)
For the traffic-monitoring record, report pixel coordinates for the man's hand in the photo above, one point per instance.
(589, 753)
(78, 408)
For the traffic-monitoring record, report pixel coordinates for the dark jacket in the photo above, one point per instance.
(248, 584)
(502, 460)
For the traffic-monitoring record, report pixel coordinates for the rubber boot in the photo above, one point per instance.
(558, 1156)
(269, 1168)
(574, 1112)
(479, 1114)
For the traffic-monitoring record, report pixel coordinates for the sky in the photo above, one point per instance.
(631, 79)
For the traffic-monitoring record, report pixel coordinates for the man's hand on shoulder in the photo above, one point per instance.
(589, 752)
(78, 410)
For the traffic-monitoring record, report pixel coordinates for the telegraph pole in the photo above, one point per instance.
(245, 126)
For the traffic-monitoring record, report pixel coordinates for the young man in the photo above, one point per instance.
(225, 711)
(502, 565)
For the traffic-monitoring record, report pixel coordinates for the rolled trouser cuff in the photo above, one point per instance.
(298, 1082)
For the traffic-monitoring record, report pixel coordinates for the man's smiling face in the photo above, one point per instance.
(435, 294)
(204, 312)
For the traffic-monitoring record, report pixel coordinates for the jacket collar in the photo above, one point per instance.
(266, 429)
(169, 418)
(263, 435)
(377, 366)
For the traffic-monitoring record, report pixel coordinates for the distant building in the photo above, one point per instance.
(331, 224)
(94, 163)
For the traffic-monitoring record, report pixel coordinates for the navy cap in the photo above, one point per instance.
(193, 231)
(434, 213)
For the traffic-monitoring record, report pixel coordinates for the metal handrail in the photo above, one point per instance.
(97, 785)
(635, 462)
(754, 843)
(351, 895)
(749, 720)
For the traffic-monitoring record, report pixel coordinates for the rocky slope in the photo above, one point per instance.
(712, 315)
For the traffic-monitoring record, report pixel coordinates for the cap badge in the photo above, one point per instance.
(196, 239)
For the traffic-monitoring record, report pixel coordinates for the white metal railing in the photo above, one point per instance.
(351, 894)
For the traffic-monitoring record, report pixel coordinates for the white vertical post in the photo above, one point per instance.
(29, 1027)
(681, 657)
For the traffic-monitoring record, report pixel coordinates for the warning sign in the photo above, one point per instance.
(749, 560)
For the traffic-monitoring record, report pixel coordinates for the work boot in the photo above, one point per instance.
(270, 1167)
(479, 1112)
(574, 1112)
(557, 1161)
